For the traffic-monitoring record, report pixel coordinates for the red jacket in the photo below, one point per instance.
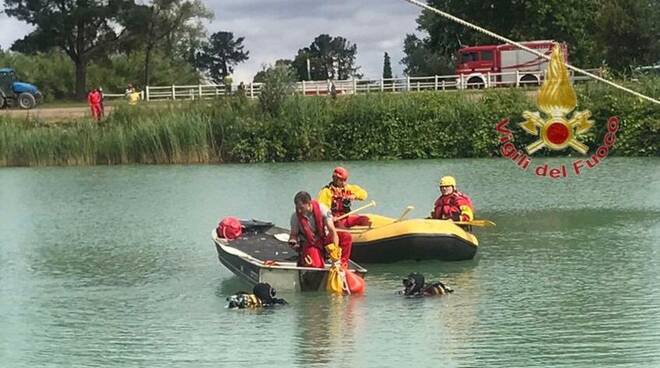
(456, 206)
(94, 98)
(320, 238)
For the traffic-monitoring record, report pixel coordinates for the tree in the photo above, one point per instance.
(220, 54)
(278, 86)
(156, 24)
(260, 77)
(387, 67)
(329, 58)
(421, 61)
(83, 29)
(629, 32)
(569, 21)
(54, 73)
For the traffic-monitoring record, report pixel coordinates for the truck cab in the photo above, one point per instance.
(16, 93)
(474, 63)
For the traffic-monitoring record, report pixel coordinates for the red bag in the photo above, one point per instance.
(355, 283)
(229, 228)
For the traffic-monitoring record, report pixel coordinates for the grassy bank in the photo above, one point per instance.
(374, 126)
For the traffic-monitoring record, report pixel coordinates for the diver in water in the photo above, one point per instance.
(263, 296)
(415, 287)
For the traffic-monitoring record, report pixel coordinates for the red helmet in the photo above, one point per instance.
(340, 173)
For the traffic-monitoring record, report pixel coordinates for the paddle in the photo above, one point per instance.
(363, 229)
(405, 213)
(478, 223)
(238, 253)
(283, 237)
(370, 204)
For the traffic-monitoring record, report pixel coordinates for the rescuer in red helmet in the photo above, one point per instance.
(338, 195)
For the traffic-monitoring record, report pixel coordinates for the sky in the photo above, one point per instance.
(276, 29)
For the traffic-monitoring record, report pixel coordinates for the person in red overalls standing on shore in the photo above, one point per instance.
(94, 101)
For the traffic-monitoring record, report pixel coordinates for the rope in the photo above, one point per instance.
(511, 42)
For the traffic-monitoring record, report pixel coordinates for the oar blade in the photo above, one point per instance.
(477, 223)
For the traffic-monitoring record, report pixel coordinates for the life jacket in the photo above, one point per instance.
(340, 202)
(93, 98)
(448, 207)
(318, 239)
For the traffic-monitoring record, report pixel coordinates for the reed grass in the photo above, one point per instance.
(373, 126)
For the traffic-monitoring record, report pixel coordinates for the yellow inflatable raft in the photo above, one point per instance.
(389, 240)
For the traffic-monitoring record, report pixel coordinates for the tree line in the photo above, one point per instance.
(618, 34)
(111, 42)
(118, 35)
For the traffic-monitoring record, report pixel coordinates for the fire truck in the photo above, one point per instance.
(493, 65)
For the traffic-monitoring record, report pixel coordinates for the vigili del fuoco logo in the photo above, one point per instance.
(556, 128)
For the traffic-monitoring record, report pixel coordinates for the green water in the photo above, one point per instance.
(114, 267)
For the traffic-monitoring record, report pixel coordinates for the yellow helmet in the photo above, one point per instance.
(447, 181)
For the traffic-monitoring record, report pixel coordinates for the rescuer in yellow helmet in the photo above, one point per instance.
(452, 204)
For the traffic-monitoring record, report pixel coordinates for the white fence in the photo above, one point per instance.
(354, 86)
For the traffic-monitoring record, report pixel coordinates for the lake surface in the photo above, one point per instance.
(114, 267)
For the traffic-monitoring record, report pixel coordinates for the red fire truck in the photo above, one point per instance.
(493, 65)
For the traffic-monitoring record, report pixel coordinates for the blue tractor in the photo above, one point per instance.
(15, 93)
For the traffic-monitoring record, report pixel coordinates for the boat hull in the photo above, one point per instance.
(259, 257)
(413, 247)
(415, 239)
(283, 278)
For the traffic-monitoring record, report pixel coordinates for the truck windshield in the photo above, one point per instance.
(469, 57)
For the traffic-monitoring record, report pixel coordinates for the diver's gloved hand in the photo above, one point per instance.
(333, 251)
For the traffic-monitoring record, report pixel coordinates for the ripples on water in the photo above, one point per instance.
(112, 266)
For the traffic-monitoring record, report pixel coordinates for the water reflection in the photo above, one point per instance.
(114, 267)
(325, 329)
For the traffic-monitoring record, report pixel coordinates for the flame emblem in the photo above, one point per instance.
(557, 99)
